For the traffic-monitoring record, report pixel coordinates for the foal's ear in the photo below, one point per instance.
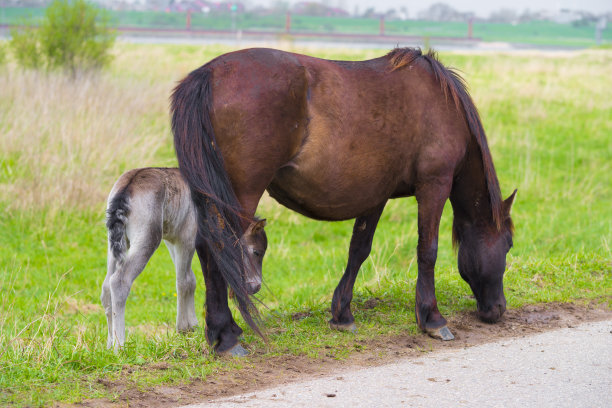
(257, 226)
(508, 203)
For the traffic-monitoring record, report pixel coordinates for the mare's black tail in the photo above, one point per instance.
(219, 218)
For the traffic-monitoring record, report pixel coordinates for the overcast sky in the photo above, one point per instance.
(482, 8)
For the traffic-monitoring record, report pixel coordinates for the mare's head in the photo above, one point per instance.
(255, 243)
(482, 260)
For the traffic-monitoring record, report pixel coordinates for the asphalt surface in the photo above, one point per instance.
(569, 367)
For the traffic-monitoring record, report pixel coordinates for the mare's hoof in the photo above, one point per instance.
(441, 333)
(236, 351)
(351, 327)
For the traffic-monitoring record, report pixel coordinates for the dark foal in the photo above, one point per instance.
(335, 140)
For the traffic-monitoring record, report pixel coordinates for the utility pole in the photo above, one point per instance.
(470, 28)
(599, 27)
(234, 8)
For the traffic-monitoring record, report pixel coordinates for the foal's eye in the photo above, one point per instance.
(257, 252)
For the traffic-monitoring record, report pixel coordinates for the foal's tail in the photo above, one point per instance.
(201, 164)
(116, 221)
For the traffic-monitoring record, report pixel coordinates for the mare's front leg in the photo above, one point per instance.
(361, 245)
(221, 330)
(431, 199)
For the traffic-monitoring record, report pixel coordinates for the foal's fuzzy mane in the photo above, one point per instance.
(453, 85)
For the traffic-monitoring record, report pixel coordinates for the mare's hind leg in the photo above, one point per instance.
(105, 297)
(121, 281)
(361, 244)
(431, 201)
(186, 319)
(221, 330)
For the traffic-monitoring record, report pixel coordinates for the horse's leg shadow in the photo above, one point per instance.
(359, 250)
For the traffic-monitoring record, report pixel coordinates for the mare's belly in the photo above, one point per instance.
(331, 192)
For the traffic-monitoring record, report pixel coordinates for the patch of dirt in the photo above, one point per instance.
(73, 306)
(371, 303)
(300, 315)
(259, 372)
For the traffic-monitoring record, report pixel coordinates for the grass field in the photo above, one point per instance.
(535, 32)
(63, 144)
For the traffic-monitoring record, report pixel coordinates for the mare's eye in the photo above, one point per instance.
(257, 252)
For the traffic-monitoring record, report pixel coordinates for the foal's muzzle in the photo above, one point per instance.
(253, 287)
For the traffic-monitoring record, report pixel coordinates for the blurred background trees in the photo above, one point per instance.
(73, 36)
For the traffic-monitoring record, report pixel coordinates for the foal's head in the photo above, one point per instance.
(255, 243)
(482, 260)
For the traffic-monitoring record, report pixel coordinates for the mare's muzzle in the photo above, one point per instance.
(492, 312)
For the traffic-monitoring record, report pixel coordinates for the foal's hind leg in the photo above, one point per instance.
(121, 281)
(361, 244)
(186, 318)
(105, 297)
(431, 201)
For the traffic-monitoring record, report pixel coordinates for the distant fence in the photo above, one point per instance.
(290, 35)
(253, 26)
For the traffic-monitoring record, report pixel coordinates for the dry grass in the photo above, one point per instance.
(64, 142)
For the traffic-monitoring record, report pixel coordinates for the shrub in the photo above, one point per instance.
(73, 35)
(25, 47)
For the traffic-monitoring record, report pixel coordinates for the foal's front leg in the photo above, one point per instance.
(182, 255)
(361, 245)
(221, 330)
(430, 203)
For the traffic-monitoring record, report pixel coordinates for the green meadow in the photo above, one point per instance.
(64, 142)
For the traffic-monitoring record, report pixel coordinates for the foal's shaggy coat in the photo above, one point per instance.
(145, 206)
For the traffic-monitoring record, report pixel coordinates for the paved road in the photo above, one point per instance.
(564, 368)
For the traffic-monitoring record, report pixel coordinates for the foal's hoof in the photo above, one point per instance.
(350, 327)
(186, 330)
(236, 351)
(441, 333)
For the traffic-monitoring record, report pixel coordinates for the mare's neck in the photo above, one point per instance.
(469, 195)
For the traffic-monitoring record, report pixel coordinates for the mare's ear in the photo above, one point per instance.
(257, 226)
(508, 203)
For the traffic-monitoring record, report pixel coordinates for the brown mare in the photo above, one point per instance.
(335, 140)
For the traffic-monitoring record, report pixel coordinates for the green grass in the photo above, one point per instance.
(534, 32)
(548, 120)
